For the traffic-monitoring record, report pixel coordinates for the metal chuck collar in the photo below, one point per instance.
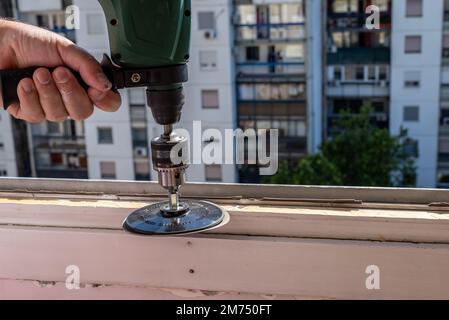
(170, 159)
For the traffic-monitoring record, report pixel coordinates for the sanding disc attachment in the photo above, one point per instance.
(193, 216)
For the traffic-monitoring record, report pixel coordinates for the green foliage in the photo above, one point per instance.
(359, 154)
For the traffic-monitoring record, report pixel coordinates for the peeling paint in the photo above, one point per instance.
(45, 284)
(190, 293)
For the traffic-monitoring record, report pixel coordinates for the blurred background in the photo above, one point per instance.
(359, 94)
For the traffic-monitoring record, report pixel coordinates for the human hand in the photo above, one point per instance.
(57, 95)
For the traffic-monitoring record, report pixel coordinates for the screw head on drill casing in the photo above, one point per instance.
(136, 77)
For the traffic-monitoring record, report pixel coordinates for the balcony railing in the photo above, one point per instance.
(356, 21)
(359, 55)
(138, 114)
(62, 173)
(140, 143)
(60, 143)
(270, 68)
(443, 158)
(446, 15)
(444, 130)
(68, 33)
(444, 95)
(270, 32)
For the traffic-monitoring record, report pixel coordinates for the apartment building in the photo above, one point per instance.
(271, 74)
(416, 79)
(397, 69)
(291, 65)
(358, 60)
(443, 153)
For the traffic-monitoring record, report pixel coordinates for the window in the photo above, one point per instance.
(413, 44)
(252, 54)
(383, 5)
(383, 73)
(57, 159)
(350, 73)
(294, 52)
(206, 20)
(95, 24)
(443, 177)
(414, 8)
(142, 171)
(105, 136)
(371, 73)
(107, 169)
(444, 145)
(3, 171)
(446, 41)
(344, 6)
(411, 147)
(137, 97)
(412, 79)
(444, 117)
(138, 113)
(208, 60)
(140, 135)
(53, 128)
(209, 99)
(360, 73)
(337, 73)
(411, 113)
(213, 173)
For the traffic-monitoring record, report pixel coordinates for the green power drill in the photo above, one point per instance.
(150, 43)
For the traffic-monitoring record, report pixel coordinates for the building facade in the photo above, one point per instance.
(397, 69)
(291, 65)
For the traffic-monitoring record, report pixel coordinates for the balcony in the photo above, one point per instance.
(271, 71)
(443, 159)
(138, 113)
(56, 143)
(354, 21)
(446, 19)
(270, 33)
(444, 130)
(358, 89)
(62, 173)
(40, 6)
(444, 93)
(380, 119)
(282, 242)
(68, 33)
(378, 55)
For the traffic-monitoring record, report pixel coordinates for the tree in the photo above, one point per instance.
(358, 154)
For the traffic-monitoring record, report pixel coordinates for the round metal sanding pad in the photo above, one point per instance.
(153, 220)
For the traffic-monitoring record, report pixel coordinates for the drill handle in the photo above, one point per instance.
(119, 77)
(10, 79)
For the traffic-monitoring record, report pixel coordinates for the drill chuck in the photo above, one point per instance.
(170, 157)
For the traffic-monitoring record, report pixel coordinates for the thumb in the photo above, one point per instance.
(80, 60)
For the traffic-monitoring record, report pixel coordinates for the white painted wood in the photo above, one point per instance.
(210, 190)
(299, 267)
(279, 221)
(30, 290)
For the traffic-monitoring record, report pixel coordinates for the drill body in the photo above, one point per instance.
(152, 39)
